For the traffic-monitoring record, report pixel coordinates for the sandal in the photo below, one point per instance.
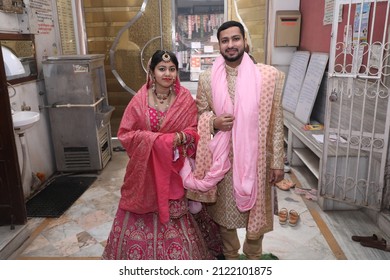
(283, 213)
(381, 245)
(374, 237)
(119, 149)
(285, 184)
(293, 218)
(300, 191)
(310, 196)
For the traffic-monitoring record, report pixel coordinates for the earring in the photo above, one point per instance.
(154, 84)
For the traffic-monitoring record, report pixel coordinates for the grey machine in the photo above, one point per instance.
(79, 112)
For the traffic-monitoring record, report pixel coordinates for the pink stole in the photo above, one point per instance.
(244, 134)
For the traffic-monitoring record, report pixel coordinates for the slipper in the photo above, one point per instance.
(293, 217)
(119, 149)
(310, 196)
(283, 216)
(374, 237)
(285, 184)
(313, 192)
(378, 244)
(300, 191)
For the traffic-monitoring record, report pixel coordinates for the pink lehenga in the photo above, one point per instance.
(152, 221)
(144, 237)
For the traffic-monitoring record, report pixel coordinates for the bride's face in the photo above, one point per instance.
(165, 74)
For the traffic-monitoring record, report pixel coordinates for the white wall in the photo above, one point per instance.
(280, 57)
(39, 147)
(40, 152)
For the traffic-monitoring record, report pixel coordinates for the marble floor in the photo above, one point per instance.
(81, 232)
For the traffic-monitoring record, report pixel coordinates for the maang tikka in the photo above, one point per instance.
(166, 57)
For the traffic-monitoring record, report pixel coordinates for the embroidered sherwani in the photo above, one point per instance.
(224, 211)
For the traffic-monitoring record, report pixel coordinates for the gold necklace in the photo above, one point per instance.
(161, 113)
(162, 96)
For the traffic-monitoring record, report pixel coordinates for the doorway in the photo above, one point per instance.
(12, 204)
(129, 35)
(196, 44)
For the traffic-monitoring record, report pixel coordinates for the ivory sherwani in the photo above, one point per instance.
(224, 211)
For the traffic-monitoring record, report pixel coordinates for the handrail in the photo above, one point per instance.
(73, 105)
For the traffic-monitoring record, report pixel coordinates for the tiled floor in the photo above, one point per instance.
(82, 231)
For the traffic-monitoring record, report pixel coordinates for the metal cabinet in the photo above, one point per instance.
(79, 111)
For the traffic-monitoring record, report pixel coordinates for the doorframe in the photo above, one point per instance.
(12, 206)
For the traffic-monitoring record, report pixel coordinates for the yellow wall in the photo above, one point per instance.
(105, 18)
(254, 17)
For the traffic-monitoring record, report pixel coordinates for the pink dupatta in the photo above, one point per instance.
(244, 134)
(152, 177)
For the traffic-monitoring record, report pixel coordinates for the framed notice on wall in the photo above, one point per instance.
(311, 84)
(65, 19)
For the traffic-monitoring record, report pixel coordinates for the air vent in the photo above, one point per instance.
(104, 146)
(77, 157)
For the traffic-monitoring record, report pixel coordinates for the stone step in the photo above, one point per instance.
(11, 239)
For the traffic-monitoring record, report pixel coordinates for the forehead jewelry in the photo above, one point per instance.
(166, 57)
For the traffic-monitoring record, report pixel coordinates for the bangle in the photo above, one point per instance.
(184, 138)
(177, 141)
(213, 130)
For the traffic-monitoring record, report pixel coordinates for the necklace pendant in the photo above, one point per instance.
(162, 97)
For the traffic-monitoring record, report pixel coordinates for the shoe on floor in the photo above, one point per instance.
(310, 196)
(377, 244)
(374, 237)
(285, 184)
(283, 215)
(293, 217)
(300, 191)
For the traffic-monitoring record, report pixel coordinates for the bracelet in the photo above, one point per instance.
(178, 140)
(184, 138)
(213, 130)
